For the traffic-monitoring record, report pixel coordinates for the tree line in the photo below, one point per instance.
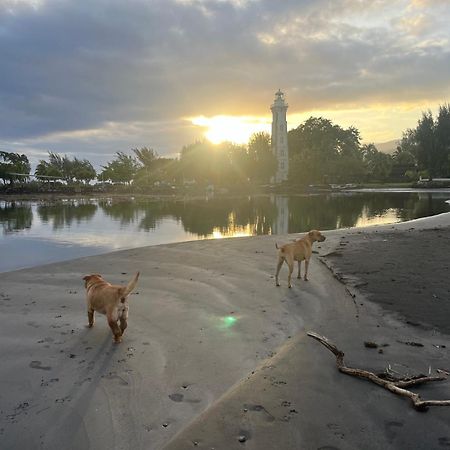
(319, 152)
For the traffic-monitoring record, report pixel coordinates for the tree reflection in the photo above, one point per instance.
(15, 216)
(257, 215)
(261, 215)
(64, 214)
(228, 216)
(123, 211)
(154, 212)
(341, 210)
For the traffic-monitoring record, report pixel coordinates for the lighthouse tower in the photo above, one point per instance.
(279, 137)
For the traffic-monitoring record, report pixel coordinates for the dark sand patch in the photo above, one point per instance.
(405, 272)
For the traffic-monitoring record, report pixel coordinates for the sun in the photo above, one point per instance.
(236, 129)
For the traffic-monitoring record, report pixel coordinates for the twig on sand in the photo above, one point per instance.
(394, 384)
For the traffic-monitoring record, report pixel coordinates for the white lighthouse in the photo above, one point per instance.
(279, 136)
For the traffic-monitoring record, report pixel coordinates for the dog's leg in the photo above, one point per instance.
(306, 269)
(299, 275)
(123, 324)
(91, 318)
(116, 331)
(280, 263)
(290, 264)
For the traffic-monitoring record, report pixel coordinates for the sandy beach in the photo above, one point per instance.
(215, 356)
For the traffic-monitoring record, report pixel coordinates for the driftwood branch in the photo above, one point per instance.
(397, 385)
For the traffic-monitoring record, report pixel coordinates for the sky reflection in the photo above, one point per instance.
(40, 232)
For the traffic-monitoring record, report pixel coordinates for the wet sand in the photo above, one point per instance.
(215, 355)
(407, 272)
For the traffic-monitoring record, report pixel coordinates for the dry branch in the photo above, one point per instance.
(396, 385)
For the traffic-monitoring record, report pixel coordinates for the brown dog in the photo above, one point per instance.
(110, 300)
(298, 250)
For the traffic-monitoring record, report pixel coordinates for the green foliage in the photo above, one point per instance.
(82, 170)
(321, 152)
(262, 163)
(432, 142)
(442, 132)
(153, 169)
(13, 164)
(378, 164)
(63, 168)
(220, 164)
(146, 156)
(121, 170)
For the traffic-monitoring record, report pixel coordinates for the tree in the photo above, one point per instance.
(48, 170)
(64, 168)
(146, 156)
(82, 170)
(426, 143)
(442, 132)
(429, 143)
(121, 170)
(320, 151)
(378, 164)
(12, 166)
(261, 159)
(403, 158)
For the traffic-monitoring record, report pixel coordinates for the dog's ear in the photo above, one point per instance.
(86, 277)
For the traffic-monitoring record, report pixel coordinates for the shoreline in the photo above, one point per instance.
(200, 194)
(187, 373)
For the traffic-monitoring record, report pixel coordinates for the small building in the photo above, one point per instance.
(279, 137)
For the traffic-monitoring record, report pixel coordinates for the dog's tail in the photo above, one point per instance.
(126, 290)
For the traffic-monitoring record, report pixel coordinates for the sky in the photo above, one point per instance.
(89, 78)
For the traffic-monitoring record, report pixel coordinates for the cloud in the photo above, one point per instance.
(94, 77)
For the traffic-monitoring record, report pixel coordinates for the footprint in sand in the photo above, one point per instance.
(180, 398)
(38, 365)
(80, 382)
(259, 408)
(176, 397)
(390, 428)
(49, 382)
(113, 375)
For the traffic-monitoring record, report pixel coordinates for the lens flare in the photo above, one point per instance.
(228, 321)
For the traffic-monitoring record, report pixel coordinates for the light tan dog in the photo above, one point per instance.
(110, 300)
(298, 250)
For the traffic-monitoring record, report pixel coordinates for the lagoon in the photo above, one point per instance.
(35, 232)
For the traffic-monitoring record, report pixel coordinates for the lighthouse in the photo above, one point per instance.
(279, 137)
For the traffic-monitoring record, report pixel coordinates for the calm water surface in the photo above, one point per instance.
(39, 232)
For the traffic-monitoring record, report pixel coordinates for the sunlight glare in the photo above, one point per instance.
(233, 229)
(236, 129)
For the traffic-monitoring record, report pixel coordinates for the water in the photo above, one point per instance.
(39, 232)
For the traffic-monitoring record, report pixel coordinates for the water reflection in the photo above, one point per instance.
(64, 229)
(124, 211)
(65, 213)
(227, 217)
(15, 216)
(230, 216)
